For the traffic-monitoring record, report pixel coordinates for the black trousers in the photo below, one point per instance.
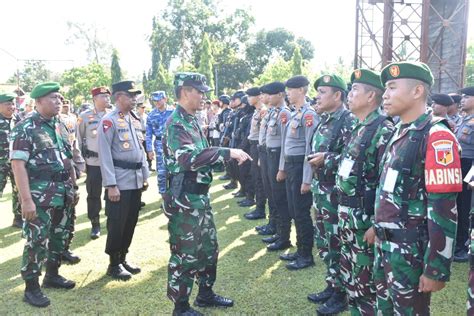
(255, 173)
(299, 206)
(279, 194)
(122, 217)
(273, 215)
(463, 202)
(94, 191)
(245, 178)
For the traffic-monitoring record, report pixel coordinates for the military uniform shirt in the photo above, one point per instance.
(6, 126)
(120, 138)
(88, 124)
(465, 136)
(276, 126)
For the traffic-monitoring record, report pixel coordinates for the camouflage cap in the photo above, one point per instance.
(158, 95)
(407, 70)
(42, 89)
(6, 97)
(330, 81)
(367, 76)
(191, 79)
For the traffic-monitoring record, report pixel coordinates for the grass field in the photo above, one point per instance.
(258, 281)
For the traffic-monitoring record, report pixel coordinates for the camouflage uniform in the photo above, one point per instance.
(39, 142)
(415, 227)
(356, 191)
(193, 235)
(329, 137)
(5, 166)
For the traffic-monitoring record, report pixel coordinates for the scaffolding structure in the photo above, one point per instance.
(431, 31)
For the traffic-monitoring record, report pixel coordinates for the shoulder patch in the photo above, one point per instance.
(443, 165)
(106, 124)
(308, 119)
(284, 117)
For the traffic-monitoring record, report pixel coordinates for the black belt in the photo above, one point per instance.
(191, 186)
(403, 235)
(54, 177)
(273, 149)
(127, 165)
(294, 159)
(351, 201)
(89, 153)
(253, 142)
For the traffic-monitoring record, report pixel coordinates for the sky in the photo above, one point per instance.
(39, 30)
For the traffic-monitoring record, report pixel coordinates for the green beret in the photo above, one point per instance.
(6, 97)
(330, 81)
(367, 76)
(407, 70)
(43, 89)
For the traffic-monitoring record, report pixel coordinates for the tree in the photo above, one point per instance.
(98, 50)
(115, 70)
(279, 70)
(297, 62)
(77, 82)
(33, 72)
(206, 60)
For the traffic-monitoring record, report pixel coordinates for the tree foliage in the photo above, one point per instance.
(297, 62)
(33, 72)
(206, 60)
(115, 70)
(98, 50)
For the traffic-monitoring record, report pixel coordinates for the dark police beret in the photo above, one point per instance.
(245, 100)
(407, 70)
(456, 97)
(442, 99)
(43, 89)
(225, 99)
(7, 97)
(467, 91)
(126, 86)
(274, 87)
(253, 92)
(297, 82)
(238, 95)
(330, 81)
(367, 76)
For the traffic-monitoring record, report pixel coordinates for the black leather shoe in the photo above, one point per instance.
(291, 256)
(254, 215)
(213, 300)
(224, 177)
(33, 294)
(57, 282)
(187, 312)
(142, 204)
(130, 267)
(321, 297)
(230, 186)
(271, 239)
(239, 194)
(118, 272)
(279, 245)
(69, 257)
(461, 256)
(267, 231)
(300, 263)
(247, 203)
(95, 232)
(17, 222)
(260, 227)
(336, 304)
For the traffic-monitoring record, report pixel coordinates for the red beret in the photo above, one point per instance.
(100, 90)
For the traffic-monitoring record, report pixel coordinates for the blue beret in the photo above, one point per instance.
(442, 99)
(253, 92)
(158, 95)
(297, 82)
(274, 87)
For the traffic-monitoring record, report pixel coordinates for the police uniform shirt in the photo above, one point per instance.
(297, 138)
(119, 139)
(262, 133)
(465, 136)
(276, 124)
(70, 120)
(87, 134)
(255, 123)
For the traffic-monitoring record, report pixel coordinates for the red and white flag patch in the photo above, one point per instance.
(443, 165)
(106, 124)
(308, 119)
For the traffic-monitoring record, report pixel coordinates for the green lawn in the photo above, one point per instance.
(258, 281)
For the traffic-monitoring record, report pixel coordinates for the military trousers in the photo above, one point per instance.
(396, 276)
(256, 176)
(94, 191)
(463, 202)
(273, 214)
(194, 251)
(357, 260)
(122, 217)
(329, 247)
(46, 238)
(279, 194)
(160, 169)
(299, 206)
(5, 174)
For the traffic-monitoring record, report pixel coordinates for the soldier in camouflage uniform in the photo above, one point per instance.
(40, 157)
(193, 237)
(356, 182)
(415, 206)
(328, 141)
(7, 108)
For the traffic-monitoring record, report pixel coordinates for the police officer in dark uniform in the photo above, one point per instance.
(224, 101)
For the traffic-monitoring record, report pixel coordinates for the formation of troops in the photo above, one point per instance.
(384, 164)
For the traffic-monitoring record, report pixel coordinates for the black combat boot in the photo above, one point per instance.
(53, 280)
(33, 294)
(130, 267)
(69, 257)
(116, 269)
(183, 309)
(207, 298)
(95, 230)
(322, 296)
(336, 304)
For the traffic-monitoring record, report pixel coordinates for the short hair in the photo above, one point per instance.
(343, 93)
(377, 91)
(415, 82)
